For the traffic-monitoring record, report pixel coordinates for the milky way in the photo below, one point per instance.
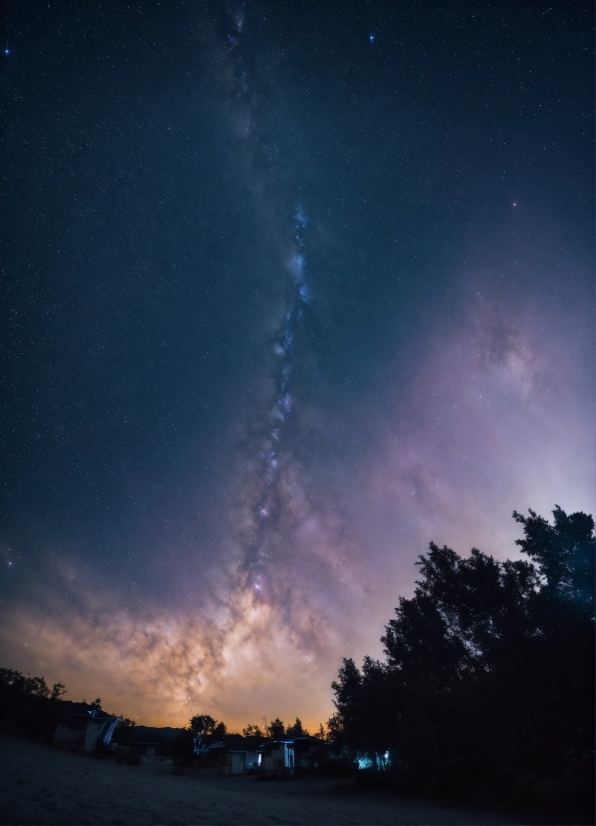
(268, 505)
(260, 538)
(288, 293)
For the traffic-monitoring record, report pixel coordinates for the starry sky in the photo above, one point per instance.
(288, 291)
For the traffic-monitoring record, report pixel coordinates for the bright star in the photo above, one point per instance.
(372, 37)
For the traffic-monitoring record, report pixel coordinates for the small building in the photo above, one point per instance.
(277, 758)
(143, 749)
(233, 755)
(281, 758)
(232, 762)
(238, 755)
(308, 751)
(82, 732)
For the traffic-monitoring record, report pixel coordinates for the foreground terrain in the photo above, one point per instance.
(39, 785)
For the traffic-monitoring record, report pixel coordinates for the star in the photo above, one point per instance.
(372, 37)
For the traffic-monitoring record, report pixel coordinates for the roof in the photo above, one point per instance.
(234, 742)
(295, 742)
(79, 721)
(306, 738)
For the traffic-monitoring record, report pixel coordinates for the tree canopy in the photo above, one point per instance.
(297, 730)
(202, 724)
(488, 677)
(276, 729)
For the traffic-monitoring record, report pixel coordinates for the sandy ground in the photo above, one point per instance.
(40, 785)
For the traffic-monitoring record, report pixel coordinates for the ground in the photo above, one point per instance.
(40, 785)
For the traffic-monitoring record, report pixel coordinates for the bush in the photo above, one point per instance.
(338, 769)
(134, 759)
(182, 749)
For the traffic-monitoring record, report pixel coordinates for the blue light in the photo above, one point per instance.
(372, 37)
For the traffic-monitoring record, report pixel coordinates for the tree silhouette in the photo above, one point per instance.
(29, 703)
(58, 691)
(220, 730)
(125, 730)
(321, 733)
(297, 730)
(252, 731)
(563, 552)
(488, 681)
(201, 724)
(276, 729)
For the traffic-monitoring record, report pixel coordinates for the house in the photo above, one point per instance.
(233, 755)
(143, 749)
(232, 762)
(308, 751)
(281, 758)
(82, 732)
(277, 758)
(238, 755)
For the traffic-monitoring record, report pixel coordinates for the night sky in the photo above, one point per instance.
(288, 291)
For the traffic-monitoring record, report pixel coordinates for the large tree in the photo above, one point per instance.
(276, 729)
(297, 730)
(489, 674)
(201, 724)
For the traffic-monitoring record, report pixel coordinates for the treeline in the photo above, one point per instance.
(193, 742)
(204, 724)
(486, 691)
(28, 706)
